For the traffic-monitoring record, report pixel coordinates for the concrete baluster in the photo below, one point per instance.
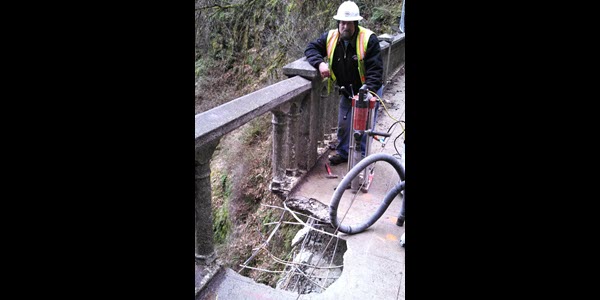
(280, 147)
(294, 117)
(205, 253)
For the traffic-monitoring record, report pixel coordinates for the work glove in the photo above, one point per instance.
(368, 96)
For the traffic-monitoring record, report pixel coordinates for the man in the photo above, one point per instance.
(356, 60)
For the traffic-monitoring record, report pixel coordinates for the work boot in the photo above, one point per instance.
(337, 159)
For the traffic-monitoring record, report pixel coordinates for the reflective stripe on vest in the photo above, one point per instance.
(361, 48)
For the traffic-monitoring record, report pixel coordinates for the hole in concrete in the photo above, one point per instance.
(315, 260)
(319, 261)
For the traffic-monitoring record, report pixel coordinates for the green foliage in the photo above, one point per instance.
(272, 32)
(289, 232)
(225, 186)
(220, 214)
(221, 224)
(379, 13)
(381, 16)
(221, 186)
(290, 7)
(257, 129)
(278, 26)
(267, 216)
(201, 67)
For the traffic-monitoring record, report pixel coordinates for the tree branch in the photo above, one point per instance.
(218, 6)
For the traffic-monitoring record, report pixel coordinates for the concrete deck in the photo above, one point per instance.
(374, 262)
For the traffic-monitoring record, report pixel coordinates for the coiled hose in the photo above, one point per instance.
(389, 197)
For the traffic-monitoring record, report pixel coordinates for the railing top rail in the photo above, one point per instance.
(214, 123)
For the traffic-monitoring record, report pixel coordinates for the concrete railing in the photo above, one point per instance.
(304, 121)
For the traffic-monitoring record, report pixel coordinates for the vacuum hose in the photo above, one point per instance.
(389, 197)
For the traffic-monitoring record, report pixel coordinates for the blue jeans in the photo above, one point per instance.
(344, 130)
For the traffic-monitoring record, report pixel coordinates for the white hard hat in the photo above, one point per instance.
(348, 11)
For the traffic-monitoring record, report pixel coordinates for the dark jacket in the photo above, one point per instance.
(345, 67)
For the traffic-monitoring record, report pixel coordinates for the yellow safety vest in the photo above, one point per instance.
(361, 48)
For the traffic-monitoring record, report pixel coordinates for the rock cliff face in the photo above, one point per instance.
(242, 45)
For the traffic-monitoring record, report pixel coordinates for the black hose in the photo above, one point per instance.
(400, 220)
(389, 197)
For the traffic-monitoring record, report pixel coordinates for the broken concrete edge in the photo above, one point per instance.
(310, 206)
(213, 276)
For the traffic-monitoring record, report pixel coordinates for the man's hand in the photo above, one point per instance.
(368, 97)
(324, 70)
